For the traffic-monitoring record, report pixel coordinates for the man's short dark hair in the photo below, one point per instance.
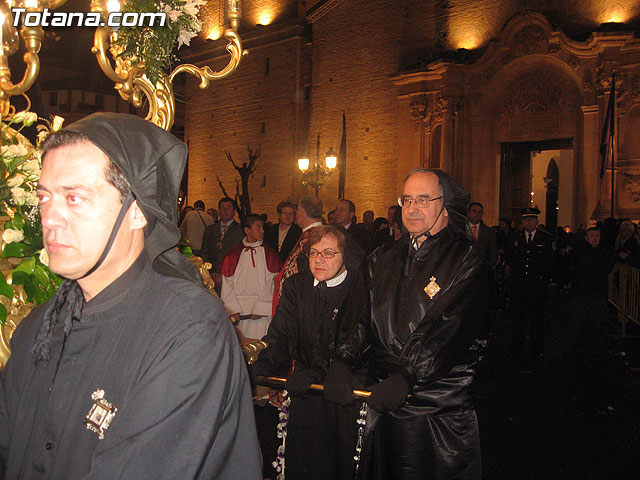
(199, 204)
(226, 199)
(318, 233)
(312, 206)
(475, 203)
(112, 174)
(285, 204)
(593, 229)
(250, 219)
(352, 206)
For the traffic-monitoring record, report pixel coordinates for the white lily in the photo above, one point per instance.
(11, 235)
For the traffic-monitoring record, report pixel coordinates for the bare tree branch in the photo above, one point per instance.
(224, 191)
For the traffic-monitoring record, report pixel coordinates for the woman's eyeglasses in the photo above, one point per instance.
(326, 254)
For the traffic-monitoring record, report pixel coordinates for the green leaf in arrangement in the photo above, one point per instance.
(13, 250)
(3, 314)
(5, 288)
(27, 266)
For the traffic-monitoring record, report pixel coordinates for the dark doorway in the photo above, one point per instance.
(552, 180)
(515, 173)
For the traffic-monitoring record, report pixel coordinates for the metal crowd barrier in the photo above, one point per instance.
(624, 294)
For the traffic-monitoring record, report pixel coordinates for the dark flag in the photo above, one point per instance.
(342, 157)
(608, 129)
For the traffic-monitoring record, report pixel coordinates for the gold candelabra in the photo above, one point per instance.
(129, 74)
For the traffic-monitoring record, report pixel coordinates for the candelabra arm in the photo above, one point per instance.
(206, 74)
(99, 49)
(8, 88)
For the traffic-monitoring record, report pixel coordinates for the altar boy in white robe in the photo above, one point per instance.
(248, 271)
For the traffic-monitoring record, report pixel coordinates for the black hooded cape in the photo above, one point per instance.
(435, 434)
(160, 349)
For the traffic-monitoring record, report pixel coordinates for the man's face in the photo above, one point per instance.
(213, 213)
(78, 209)
(474, 214)
(390, 213)
(300, 215)
(367, 217)
(286, 216)
(325, 268)
(255, 232)
(593, 237)
(342, 215)
(503, 226)
(226, 211)
(432, 218)
(529, 223)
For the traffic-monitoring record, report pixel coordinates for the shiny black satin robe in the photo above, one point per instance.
(165, 355)
(321, 436)
(435, 434)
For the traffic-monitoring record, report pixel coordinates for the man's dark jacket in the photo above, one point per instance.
(531, 264)
(290, 239)
(210, 251)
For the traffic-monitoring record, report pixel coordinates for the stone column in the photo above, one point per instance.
(446, 143)
(590, 167)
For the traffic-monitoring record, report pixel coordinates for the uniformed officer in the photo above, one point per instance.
(531, 261)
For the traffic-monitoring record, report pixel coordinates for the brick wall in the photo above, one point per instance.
(261, 105)
(354, 49)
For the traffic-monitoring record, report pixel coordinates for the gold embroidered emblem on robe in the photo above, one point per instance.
(102, 412)
(432, 288)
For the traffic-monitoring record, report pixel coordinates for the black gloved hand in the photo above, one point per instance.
(338, 385)
(299, 380)
(390, 393)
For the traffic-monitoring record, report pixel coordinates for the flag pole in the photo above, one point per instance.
(613, 145)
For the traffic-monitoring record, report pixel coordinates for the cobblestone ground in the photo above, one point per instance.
(540, 420)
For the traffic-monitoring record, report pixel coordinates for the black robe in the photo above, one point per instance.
(435, 434)
(165, 355)
(321, 436)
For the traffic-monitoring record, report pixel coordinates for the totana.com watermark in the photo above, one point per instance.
(46, 18)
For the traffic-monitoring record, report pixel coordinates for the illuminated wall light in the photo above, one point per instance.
(615, 15)
(265, 18)
(469, 41)
(215, 34)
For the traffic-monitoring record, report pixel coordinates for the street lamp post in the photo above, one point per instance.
(315, 176)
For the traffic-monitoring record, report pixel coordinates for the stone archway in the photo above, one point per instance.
(531, 84)
(531, 101)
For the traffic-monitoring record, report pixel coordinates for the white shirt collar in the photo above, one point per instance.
(314, 224)
(346, 227)
(227, 223)
(254, 244)
(335, 281)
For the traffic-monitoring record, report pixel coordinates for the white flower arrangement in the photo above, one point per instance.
(155, 45)
(22, 237)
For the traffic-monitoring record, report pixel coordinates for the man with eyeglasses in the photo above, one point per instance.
(319, 307)
(424, 290)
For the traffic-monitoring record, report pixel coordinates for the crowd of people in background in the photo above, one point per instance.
(524, 261)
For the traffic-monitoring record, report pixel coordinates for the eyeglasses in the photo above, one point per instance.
(326, 254)
(421, 201)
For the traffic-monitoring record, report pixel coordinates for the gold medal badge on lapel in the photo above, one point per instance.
(102, 412)
(432, 288)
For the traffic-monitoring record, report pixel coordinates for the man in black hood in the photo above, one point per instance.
(424, 290)
(132, 370)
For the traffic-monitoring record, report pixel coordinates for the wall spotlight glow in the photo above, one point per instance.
(265, 18)
(215, 33)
